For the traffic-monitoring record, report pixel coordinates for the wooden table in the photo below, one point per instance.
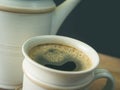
(113, 65)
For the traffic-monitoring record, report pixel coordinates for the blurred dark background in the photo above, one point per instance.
(97, 23)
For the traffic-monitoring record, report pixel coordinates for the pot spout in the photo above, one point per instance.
(61, 12)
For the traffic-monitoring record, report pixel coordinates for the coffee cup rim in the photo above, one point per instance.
(31, 40)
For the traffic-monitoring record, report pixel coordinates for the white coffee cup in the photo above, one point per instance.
(39, 77)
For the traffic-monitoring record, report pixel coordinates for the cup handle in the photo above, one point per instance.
(103, 73)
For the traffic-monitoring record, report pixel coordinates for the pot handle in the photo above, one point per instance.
(103, 73)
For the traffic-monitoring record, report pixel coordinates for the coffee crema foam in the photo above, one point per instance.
(58, 55)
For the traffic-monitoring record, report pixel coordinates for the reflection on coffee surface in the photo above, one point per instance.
(60, 57)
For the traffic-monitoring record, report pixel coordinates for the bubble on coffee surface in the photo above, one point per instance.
(60, 57)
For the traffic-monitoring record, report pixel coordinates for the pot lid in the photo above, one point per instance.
(27, 6)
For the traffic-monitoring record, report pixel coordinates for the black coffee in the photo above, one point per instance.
(60, 57)
(63, 67)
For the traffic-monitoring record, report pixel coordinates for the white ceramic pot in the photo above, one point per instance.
(20, 20)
